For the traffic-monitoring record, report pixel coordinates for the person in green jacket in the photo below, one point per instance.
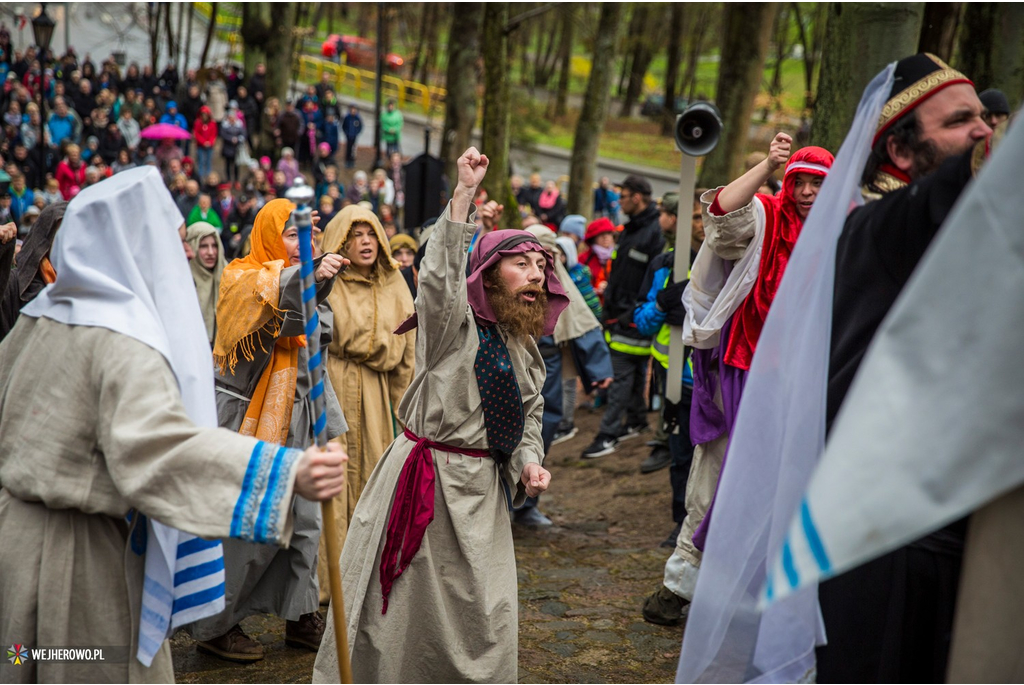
(204, 211)
(391, 127)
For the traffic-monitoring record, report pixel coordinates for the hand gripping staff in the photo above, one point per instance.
(302, 195)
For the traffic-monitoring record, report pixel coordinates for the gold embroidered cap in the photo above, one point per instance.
(917, 78)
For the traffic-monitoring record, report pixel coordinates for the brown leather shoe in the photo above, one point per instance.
(665, 608)
(233, 645)
(306, 632)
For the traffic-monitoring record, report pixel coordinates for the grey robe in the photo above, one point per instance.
(453, 614)
(260, 579)
(92, 425)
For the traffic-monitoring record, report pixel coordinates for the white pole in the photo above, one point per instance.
(680, 272)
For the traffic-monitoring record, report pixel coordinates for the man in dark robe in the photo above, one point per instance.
(890, 620)
(32, 270)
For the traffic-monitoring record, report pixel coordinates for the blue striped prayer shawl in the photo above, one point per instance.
(195, 591)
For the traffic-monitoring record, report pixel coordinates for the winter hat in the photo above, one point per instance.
(574, 224)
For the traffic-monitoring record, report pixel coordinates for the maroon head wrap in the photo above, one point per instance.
(488, 251)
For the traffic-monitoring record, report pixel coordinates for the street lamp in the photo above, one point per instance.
(42, 28)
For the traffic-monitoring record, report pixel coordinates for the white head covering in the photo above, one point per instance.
(778, 437)
(120, 266)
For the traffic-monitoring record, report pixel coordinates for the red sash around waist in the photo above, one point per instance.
(413, 509)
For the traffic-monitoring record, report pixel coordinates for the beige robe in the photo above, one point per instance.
(369, 366)
(92, 425)
(988, 631)
(453, 613)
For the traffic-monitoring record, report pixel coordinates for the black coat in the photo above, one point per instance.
(878, 250)
(639, 243)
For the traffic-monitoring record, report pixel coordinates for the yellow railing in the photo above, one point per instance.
(361, 81)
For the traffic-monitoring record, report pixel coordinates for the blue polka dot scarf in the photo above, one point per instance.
(499, 394)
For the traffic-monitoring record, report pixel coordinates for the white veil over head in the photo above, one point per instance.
(120, 266)
(778, 438)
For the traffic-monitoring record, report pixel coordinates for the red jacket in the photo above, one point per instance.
(68, 177)
(205, 132)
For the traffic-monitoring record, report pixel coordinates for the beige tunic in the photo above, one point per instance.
(453, 614)
(92, 425)
(988, 633)
(370, 367)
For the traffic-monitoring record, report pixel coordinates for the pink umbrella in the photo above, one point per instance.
(159, 131)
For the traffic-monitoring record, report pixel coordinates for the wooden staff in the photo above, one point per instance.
(302, 195)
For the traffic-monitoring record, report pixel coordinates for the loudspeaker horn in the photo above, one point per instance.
(698, 129)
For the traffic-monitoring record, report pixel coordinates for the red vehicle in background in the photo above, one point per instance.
(358, 52)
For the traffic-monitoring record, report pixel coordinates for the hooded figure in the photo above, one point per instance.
(446, 610)
(33, 270)
(783, 224)
(207, 278)
(113, 345)
(367, 363)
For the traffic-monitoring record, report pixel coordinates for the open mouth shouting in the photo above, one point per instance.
(529, 294)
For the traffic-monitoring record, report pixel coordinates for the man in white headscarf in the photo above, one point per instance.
(108, 425)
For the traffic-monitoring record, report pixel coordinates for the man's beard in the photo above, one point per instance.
(519, 317)
(928, 157)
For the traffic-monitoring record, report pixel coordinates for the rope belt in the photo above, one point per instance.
(413, 508)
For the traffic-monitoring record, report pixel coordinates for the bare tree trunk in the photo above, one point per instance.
(331, 10)
(431, 43)
(675, 53)
(632, 36)
(938, 28)
(524, 56)
(643, 51)
(991, 48)
(153, 12)
(698, 38)
(593, 112)
(427, 13)
(177, 43)
(782, 46)
(209, 35)
(497, 111)
(461, 83)
(171, 44)
(544, 67)
(862, 38)
(255, 32)
(568, 12)
(746, 29)
(188, 38)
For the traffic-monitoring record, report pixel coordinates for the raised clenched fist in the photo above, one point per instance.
(779, 150)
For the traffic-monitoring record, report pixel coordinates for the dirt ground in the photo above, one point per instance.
(581, 582)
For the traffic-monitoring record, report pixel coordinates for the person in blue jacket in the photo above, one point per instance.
(351, 126)
(173, 116)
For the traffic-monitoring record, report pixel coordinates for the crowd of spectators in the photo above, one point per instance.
(238, 148)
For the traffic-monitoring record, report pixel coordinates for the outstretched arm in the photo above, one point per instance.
(740, 192)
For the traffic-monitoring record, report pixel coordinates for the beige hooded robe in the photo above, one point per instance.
(369, 366)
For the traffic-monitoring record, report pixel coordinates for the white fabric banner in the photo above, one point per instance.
(933, 425)
(778, 438)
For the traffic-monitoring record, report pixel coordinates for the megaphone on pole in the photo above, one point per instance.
(697, 131)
